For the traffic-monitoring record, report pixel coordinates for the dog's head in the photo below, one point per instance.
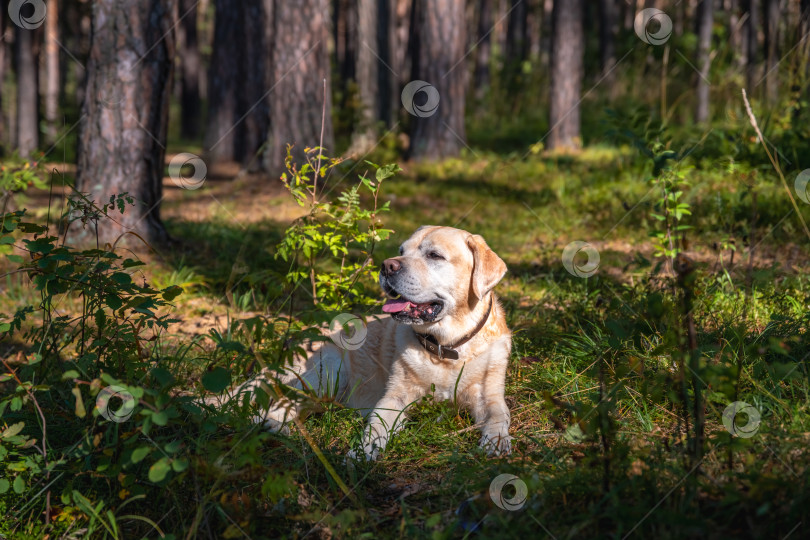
(440, 272)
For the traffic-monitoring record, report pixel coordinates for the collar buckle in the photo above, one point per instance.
(433, 347)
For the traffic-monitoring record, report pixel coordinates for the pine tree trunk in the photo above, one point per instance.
(483, 50)
(2, 81)
(122, 134)
(74, 15)
(223, 111)
(705, 16)
(52, 72)
(401, 49)
(368, 74)
(772, 15)
(517, 44)
(751, 32)
(438, 61)
(344, 30)
(26, 67)
(386, 74)
(253, 96)
(237, 81)
(804, 29)
(300, 66)
(607, 37)
(568, 48)
(190, 107)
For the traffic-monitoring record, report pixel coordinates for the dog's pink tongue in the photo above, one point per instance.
(395, 305)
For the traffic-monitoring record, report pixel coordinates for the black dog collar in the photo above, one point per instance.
(432, 346)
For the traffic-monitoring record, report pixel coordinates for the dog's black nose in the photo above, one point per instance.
(391, 267)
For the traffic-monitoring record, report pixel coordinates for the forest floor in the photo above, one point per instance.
(629, 473)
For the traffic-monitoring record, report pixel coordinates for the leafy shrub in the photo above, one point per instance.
(97, 417)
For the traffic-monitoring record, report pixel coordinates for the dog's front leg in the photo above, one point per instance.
(387, 417)
(490, 410)
(493, 415)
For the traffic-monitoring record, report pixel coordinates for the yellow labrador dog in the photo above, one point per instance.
(445, 328)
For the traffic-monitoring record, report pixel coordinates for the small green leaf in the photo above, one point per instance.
(5, 485)
(159, 470)
(217, 380)
(70, 374)
(139, 453)
(121, 278)
(170, 293)
(173, 447)
(80, 410)
(15, 259)
(19, 485)
(13, 429)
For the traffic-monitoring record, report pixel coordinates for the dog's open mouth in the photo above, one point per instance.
(403, 309)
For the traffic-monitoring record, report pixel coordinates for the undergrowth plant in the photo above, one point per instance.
(99, 409)
(332, 244)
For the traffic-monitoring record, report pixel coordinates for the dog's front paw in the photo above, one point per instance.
(370, 453)
(271, 424)
(496, 444)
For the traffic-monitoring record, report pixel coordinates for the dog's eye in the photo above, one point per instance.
(401, 250)
(435, 255)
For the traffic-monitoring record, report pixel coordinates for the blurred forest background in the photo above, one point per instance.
(161, 242)
(108, 87)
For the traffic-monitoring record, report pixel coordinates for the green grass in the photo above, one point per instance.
(599, 354)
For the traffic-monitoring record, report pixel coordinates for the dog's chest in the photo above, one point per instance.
(445, 379)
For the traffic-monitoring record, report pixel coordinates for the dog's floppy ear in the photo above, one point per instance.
(488, 268)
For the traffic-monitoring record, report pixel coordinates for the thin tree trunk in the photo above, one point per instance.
(804, 29)
(74, 15)
(237, 104)
(344, 30)
(439, 132)
(253, 103)
(545, 34)
(400, 43)
(751, 32)
(368, 77)
(190, 107)
(25, 60)
(386, 75)
(2, 80)
(300, 67)
(568, 48)
(772, 15)
(705, 16)
(52, 71)
(223, 111)
(517, 45)
(483, 51)
(534, 28)
(122, 134)
(735, 39)
(607, 37)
